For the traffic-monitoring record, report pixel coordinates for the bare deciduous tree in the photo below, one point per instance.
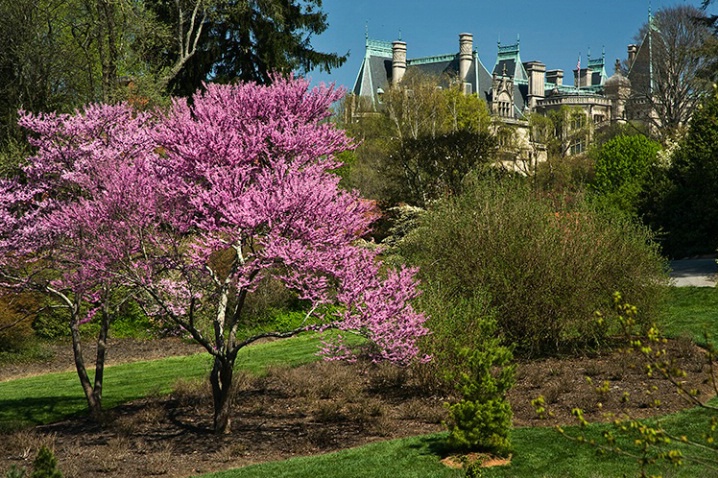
(666, 73)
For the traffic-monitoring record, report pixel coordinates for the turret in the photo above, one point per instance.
(466, 45)
(398, 61)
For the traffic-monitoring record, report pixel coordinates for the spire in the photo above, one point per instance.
(650, 15)
(650, 48)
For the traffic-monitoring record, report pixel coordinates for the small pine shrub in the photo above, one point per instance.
(468, 355)
(15, 472)
(45, 464)
(481, 420)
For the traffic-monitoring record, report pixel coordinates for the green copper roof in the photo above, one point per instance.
(431, 59)
(378, 47)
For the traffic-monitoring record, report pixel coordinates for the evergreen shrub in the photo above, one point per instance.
(468, 355)
(45, 465)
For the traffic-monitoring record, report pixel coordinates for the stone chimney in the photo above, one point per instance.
(632, 52)
(466, 46)
(555, 77)
(398, 61)
(537, 79)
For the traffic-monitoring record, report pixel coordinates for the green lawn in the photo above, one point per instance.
(53, 397)
(539, 452)
(691, 312)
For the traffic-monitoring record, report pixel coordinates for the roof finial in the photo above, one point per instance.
(603, 53)
(498, 42)
(366, 30)
(518, 39)
(650, 14)
(588, 55)
(399, 34)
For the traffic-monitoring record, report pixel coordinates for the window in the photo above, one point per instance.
(577, 146)
(578, 121)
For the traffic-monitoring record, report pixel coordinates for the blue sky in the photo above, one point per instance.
(551, 31)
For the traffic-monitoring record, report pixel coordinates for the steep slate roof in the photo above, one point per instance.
(639, 72)
(449, 65)
(375, 74)
(376, 70)
(508, 60)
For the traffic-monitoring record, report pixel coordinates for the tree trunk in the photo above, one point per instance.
(94, 402)
(221, 380)
(107, 47)
(101, 353)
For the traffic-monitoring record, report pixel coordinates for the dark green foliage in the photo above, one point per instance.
(45, 465)
(431, 167)
(623, 166)
(51, 324)
(248, 41)
(12, 153)
(683, 203)
(420, 146)
(547, 267)
(564, 176)
(363, 167)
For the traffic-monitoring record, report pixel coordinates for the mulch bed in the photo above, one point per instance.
(324, 407)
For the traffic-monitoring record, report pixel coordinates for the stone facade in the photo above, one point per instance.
(513, 89)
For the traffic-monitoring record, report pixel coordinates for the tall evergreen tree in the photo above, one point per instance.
(246, 40)
(694, 174)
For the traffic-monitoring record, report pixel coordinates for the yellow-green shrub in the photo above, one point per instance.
(546, 268)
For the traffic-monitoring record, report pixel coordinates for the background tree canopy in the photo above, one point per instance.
(56, 55)
(623, 165)
(248, 40)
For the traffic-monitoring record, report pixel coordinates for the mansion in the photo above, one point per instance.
(512, 89)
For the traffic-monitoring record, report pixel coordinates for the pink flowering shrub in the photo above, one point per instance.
(196, 207)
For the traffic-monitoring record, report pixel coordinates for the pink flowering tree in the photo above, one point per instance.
(194, 209)
(69, 221)
(247, 170)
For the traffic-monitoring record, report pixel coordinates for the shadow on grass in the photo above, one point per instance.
(432, 445)
(33, 411)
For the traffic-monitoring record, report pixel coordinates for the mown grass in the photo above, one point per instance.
(691, 312)
(538, 453)
(53, 397)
